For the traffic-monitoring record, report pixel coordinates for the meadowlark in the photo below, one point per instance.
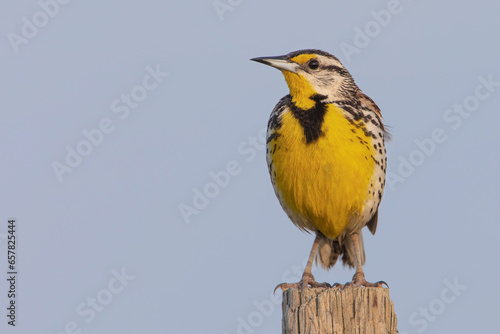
(327, 159)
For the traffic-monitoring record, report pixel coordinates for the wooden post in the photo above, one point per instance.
(336, 311)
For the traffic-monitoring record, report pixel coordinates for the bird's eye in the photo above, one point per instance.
(313, 64)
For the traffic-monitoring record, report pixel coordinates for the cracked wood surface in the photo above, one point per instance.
(352, 310)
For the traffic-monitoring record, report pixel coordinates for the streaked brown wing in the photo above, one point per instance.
(367, 102)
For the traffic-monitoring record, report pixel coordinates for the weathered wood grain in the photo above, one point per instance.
(350, 311)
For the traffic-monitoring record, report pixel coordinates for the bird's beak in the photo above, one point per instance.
(279, 62)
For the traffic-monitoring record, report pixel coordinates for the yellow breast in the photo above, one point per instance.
(326, 181)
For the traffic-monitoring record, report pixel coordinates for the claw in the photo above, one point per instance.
(359, 280)
(307, 280)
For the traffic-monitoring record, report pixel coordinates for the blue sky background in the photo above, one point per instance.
(104, 247)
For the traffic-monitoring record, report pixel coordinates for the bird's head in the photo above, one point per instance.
(312, 76)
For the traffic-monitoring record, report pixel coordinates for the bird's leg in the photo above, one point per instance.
(307, 276)
(359, 276)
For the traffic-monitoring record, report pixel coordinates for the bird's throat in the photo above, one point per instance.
(300, 90)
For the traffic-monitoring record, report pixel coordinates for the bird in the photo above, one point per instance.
(326, 155)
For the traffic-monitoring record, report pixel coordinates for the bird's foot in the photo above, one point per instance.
(306, 281)
(359, 280)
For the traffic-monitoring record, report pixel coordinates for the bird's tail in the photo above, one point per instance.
(329, 251)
